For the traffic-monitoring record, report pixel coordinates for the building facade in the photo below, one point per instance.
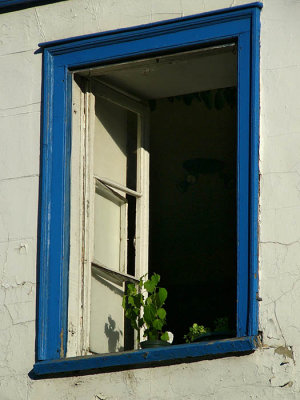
(208, 91)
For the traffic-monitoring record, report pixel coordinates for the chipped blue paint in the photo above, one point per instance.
(146, 357)
(254, 180)
(239, 24)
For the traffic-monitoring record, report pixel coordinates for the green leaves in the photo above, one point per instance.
(162, 295)
(124, 302)
(145, 308)
(131, 300)
(195, 331)
(158, 324)
(149, 286)
(161, 312)
(131, 289)
(165, 336)
(149, 313)
(152, 283)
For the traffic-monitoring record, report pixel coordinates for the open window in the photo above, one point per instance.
(111, 216)
(176, 215)
(149, 164)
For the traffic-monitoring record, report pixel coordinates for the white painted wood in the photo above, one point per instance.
(88, 207)
(116, 185)
(110, 209)
(123, 66)
(119, 276)
(112, 94)
(110, 223)
(173, 74)
(109, 226)
(80, 232)
(110, 158)
(76, 237)
(142, 207)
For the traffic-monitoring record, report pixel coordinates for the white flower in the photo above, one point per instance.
(171, 337)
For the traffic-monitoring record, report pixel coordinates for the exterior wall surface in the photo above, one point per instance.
(273, 370)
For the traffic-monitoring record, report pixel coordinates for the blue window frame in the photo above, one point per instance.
(239, 24)
(11, 5)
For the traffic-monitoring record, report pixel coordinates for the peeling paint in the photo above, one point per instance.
(288, 384)
(100, 397)
(23, 248)
(62, 351)
(285, 351)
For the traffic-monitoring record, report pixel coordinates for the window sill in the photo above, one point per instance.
(146, 357)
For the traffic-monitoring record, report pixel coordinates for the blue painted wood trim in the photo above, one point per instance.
(254, 174)
(11, 5)
(243, 139)
(67, 211)
(215, 13)
(232, 25)
(43, 335)
(147, 356)
(117, 48)
(55, 212)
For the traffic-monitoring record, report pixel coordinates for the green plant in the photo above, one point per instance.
(221, 324)
(195, 331)
(143, 305)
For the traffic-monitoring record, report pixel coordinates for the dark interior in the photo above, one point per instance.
(193, 207)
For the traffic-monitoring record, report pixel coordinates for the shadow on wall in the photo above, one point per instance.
(112, 335)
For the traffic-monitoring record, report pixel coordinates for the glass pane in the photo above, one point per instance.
(109, 228)
(115, 143)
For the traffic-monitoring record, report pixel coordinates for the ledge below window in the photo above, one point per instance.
(146, 357)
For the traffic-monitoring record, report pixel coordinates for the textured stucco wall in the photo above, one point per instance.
(273, 371)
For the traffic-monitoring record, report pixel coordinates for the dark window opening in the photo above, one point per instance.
(193, 207)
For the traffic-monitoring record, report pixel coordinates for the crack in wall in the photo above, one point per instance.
(19, 177)
(284, 293)
(279, 327)
(39, 25)
(280, 243)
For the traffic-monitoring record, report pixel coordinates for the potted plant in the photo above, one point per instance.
(143, 305)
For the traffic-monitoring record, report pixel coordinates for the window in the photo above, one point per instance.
(179, 110)
(109, 213)
(120, 87)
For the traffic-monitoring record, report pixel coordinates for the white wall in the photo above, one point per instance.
(273, 371)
